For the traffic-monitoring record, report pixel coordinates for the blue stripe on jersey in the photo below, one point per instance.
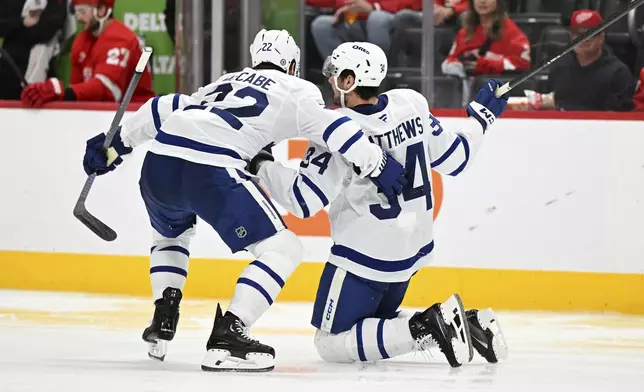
(269, 271)
(155, 113)
(448, 153)
(361, 355)
(380, 338)
(315, 189)
(381, 265)
(181, 141)
(257, 287)
(170, 269)
(175, 248)
(347, 145)
(334, 125)
(466, 147)
(175, 102)
(300, 200)
(229, 118)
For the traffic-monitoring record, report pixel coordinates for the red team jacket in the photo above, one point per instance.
(510, 53)
(638, 99)
(103, 66)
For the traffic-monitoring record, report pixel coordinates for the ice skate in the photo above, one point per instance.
(164, 323)
(231, 349)
(487, 336)
(444, 325)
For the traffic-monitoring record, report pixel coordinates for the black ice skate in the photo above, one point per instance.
(487, 336)
(163, 324)
(231, 349)
(444, 325)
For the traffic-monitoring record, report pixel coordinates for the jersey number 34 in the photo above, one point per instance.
(415, 154)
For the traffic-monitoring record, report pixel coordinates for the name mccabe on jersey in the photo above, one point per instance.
(251, 78)
(406, 130)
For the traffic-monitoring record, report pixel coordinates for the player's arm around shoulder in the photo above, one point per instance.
(304, 191)
(452, 151)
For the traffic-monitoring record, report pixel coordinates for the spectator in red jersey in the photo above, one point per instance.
(103, 58)
(356, 20)
(638, 99)
(489, 43)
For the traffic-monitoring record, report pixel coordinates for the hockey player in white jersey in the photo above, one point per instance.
(380, 242)
(199, 147)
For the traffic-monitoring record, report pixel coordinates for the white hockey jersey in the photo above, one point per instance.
(372, 238)
(229, 121)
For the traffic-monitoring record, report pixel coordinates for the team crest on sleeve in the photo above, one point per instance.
(241, 232)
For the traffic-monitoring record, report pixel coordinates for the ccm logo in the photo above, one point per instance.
(360, 48)
(329, 309)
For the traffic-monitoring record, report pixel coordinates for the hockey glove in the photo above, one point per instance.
(486, 107)
(389, 176)
(37, 94)
(99, 161)
(256, 163)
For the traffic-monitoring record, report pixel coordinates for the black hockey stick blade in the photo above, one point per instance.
(80, 211)
(570, 47)
(94, 224)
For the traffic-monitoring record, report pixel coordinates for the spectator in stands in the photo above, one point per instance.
(489, 43)
(591, 78)
(638, 99)
(31, 30)
(355, 20)
(103, 58)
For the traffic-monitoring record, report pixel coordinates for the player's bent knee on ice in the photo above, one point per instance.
(333, 347)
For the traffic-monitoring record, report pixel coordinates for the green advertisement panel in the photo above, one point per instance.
(146, 18)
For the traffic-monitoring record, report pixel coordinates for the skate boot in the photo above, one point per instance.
(444, 325)
(231, 349)
(487, 336)
(164, 323)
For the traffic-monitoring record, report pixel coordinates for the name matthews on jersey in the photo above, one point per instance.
(410, 128)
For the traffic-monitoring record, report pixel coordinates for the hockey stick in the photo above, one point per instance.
(571, 46)
(80, 211)
(14, 67)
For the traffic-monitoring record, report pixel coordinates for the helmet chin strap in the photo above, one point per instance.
(101, 21)
(343, 92)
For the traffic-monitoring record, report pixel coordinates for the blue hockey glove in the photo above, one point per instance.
(486, 107)
(100, 162)
(389, 176)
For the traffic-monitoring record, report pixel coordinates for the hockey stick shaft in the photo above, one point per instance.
(570, 47)
(14, 67)
(80, 212)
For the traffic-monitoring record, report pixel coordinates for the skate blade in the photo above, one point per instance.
(451, 310)
(222, 361)
(158, 350)
(489, 322)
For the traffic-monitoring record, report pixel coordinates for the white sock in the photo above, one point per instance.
(169, 262)
(369, 340)
(262, 280)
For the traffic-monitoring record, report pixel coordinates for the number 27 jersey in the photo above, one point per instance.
(380, 240)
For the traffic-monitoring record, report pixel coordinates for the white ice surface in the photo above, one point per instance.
(75, 342)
